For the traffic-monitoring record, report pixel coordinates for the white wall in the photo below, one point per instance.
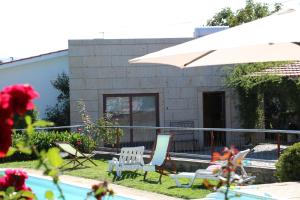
(38, 74)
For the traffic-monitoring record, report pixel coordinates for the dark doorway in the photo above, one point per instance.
(214, 117)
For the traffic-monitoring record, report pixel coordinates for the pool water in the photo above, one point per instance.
(236, 195)
(39, 186)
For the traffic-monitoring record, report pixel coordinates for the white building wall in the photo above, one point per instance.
(38, 74)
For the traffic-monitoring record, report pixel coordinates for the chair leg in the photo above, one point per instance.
(92, 161)
(160, 178)
(145, 175)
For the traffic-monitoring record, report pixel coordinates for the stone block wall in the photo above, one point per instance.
(101, 66)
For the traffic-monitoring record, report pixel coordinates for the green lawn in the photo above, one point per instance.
(129, 179)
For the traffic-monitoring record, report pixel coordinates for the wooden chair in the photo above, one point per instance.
(75, 154)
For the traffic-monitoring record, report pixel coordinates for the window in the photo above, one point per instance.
(134, 110)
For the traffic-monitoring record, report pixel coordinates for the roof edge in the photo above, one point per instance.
(33, 59)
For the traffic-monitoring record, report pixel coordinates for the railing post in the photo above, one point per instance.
(278, 145)
(118, 140)
(212, 147)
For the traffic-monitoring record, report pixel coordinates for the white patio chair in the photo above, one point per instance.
(210, 174)
(131, 159)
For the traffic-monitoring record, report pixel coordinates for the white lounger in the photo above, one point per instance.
(131, 158)
(209, 173)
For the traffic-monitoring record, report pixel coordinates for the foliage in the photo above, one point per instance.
(89, 126)
(106, 134)
(288, 165)
(224, 170)
(252, 11)
(20, 122)
(100, 131)
(60, 112)
(44, 140)
(279, 109)
(100, 191)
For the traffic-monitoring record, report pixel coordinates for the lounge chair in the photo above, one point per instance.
(160, 156)
(212, 172)
(131, 158)
(75, 154)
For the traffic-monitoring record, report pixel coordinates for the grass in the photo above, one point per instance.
(129, 179)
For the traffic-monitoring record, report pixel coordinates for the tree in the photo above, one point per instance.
(252, 11)
(60, 112)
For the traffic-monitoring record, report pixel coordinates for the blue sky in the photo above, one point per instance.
(34, 27)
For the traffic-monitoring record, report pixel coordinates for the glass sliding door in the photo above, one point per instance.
(134, 110)
(144, 114)
(119, 107)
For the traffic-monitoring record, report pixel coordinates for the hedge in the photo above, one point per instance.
(288, 165)
(44, 140)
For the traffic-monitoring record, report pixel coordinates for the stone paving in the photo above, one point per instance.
(284, 190)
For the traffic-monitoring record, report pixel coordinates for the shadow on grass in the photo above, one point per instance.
(193, 187)
(76, 168)
(151, 181)
(125, 175)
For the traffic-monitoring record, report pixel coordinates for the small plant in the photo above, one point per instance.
(288, 165)
(105, 133)
(101, 131)
(225, 170)
(100, 191)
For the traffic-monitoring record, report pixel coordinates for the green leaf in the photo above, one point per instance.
(11, 151)
(29, 130)
(20, 144)
(25, 150)
(28, 120)
(27, 194)
(42, 123)
(53, 173)
(54, 157)
(49, 195)
(10, 190)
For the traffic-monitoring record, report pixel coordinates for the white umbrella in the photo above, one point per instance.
(273, 38)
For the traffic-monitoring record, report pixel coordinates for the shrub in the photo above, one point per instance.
(60, 112)
(288, 165)
(45, 140)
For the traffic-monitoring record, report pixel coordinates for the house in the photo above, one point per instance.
(148, 94)
(37, 71)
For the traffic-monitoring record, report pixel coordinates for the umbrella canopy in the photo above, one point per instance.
(273, 38)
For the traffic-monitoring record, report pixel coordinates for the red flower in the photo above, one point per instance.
(5, 139)
(15, 99)
(78, 143)
(16, 179)
(21, 97)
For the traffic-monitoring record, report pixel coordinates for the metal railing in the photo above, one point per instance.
(191, 142)
(267, 143)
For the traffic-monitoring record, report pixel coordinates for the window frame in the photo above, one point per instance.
(130, 96)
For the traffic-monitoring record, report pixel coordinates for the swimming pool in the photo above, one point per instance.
(40, 185)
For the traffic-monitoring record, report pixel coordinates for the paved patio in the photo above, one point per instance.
(285, 190)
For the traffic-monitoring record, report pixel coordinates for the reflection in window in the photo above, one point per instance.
(134, 110)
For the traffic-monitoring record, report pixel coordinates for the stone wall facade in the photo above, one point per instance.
(99, 67)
